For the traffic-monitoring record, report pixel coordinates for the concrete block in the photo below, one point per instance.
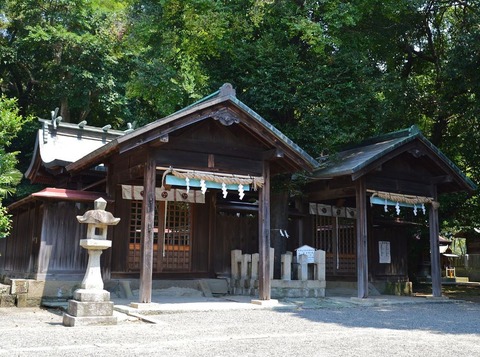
(74, 321)
(83, 309)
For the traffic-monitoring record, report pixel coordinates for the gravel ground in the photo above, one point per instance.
(426, 329)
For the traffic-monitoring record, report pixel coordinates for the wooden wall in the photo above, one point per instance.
(20, 249)
(60, 251)
(399, 240)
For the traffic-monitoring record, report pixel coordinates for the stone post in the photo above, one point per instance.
(319, 259)
(303, 267)
(287, 266)
(91, 304)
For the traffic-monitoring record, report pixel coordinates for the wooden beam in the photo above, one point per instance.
(264, 236)
(434, 247)
(148, 216)
(362, 251)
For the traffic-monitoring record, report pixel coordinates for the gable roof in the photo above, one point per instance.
(59, 144)
(361, 159)
(221, 105)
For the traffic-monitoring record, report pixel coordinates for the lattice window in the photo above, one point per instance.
(135, 235)
(177, 236)
(174, 252)
(337, 237)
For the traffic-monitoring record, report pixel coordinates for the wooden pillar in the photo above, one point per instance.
(148, 216)
(264, 236)
(434, 247)
(362, 251)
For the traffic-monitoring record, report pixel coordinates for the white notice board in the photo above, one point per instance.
(384, 252)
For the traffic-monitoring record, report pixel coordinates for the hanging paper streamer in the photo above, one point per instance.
(240, 192)
(187, 184)
(203, 186)
(397, 208)
(415, 210)
(386, 206)
(224, 190)
(423, 208)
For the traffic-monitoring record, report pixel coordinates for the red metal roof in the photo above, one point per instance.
(60, 194)
(69, 195)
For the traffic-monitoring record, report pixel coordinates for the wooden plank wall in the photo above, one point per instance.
(60, 250)
(398, 238)
(233, 232)
(16, 250)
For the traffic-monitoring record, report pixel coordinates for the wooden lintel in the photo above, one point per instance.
(156, 136)
(273, 154)
(95, 184)
(327, 194)
(163, 139)
(398, 185)
(203, 161)
(441, 179)
(129, 174)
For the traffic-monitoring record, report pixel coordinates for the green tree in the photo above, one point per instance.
(64, 54)
(10, 124)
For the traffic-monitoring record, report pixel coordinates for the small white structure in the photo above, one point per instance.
(91, 304)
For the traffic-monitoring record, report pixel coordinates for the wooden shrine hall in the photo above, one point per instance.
(397, 171)
(193, 186)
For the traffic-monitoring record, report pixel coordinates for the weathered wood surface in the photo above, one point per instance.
(362, 249)
(264, 284)
(434, 249)
(148, 220)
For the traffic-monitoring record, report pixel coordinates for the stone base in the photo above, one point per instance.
(72, 321)
(84, 309)
(89, 307)
(91, 295)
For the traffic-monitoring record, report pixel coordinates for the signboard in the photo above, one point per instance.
(308, 251)
(384, 252)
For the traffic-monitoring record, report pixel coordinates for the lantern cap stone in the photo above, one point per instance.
(99, 215)
(100, 204)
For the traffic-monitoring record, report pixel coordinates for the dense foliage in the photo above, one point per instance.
(10, 124)
(326, 72)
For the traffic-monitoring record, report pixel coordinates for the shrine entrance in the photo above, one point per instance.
(337, 237)
(171, 242)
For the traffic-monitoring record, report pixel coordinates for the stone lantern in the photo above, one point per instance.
(91, 304)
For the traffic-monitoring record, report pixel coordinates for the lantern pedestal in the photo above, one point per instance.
(91, 304)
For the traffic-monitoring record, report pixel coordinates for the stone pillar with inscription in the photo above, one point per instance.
(91, 304)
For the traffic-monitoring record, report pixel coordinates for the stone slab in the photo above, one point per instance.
(271, 302)
(91, 295)
(19, 286)
(83, 309)
(7, 300)
(74, 321)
